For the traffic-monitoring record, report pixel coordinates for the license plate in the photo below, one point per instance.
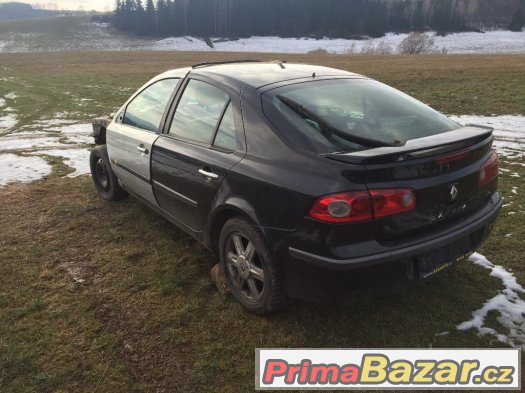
(442, 258)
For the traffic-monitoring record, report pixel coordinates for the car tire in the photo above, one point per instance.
(254, 278)
(106, 182)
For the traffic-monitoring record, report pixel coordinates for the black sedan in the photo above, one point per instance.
(307, 182)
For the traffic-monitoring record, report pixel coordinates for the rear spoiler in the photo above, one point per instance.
(418, 148)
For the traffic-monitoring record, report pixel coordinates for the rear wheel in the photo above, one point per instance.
(251, 272)
(104, 179)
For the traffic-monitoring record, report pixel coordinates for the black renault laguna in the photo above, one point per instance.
(307, 182)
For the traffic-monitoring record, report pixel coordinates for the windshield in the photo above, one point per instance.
(317, 115)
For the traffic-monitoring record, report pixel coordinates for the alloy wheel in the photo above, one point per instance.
(244, 266)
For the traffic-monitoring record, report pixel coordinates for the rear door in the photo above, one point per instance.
(202, 142)
(131, 136)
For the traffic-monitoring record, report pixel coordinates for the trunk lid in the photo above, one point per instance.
(443, 172)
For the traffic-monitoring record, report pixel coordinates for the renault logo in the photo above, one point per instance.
(453, 193)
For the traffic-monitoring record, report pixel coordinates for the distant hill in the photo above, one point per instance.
(17, 10)
(22, 11)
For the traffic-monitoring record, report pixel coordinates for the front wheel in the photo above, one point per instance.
(252, 275)
(106, 182)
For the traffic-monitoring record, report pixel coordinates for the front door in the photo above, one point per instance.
(131, 136)
(191, 161)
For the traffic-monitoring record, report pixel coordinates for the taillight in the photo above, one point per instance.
(452, 157)
(390, 202)
(489, 170)
(344, 207)
(362, 205)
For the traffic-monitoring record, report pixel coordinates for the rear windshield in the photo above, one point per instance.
(357, 107)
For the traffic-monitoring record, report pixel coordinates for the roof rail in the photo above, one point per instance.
(212, 63)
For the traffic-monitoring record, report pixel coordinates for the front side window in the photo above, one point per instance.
(147, 108)
(198, 112)
(346, 115)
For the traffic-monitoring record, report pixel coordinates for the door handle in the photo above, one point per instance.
(209, 175)
(142, 149)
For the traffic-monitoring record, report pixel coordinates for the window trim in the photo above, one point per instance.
(168, 104)
(219, 126)
(173, 110)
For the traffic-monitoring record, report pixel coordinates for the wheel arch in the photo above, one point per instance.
(224, 213)
(100, 138)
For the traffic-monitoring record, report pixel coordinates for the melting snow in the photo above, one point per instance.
(58, 137)
(15, 168)
(2, 102)
(7, 121)
(14, 143)
(97, 36)
(11, 96)
(509, 131)
(78, 159)
(507, 303)
(497, 41)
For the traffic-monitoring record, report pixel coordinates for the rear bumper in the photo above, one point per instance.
(307, 271)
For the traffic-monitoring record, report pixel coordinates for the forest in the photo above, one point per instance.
(313, 18)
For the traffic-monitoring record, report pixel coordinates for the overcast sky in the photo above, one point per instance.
(99, 5)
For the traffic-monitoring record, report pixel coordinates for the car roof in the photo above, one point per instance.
(261, 74)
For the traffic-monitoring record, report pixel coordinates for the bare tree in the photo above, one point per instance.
(383, 49)
(368, 48)
(417, 43)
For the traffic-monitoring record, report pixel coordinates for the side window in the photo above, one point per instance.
(198, 112)
(146, 109)
(226, 137)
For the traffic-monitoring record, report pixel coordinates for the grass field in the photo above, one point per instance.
(110, 297)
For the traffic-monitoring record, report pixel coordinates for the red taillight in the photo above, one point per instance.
(390, 202)
(362, 205)
(452, 157)
(344, 207)
(489, 170)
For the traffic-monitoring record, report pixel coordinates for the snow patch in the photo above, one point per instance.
(509, 131)
(78, 159)
(15, 143)
(497, 41)
(99, 36)
(11, 96)
(507, 303)
(15, 168)
(8, 121)
(2, 102)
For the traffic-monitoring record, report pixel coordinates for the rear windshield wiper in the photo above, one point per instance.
(327, 129)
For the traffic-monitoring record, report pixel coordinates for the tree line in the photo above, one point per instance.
(316, 18)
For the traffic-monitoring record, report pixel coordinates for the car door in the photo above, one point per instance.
(131, 136)
(203, 141)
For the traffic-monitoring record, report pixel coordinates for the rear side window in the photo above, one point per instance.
(226, 138)
(357, 107)
(198, 112)
(147, 108)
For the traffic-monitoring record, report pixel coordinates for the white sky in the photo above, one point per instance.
(99, 5)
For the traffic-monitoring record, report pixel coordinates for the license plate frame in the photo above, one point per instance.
(441, 258)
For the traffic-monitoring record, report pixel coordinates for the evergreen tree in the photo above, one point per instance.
(299, 18)
(518, 20)
(150, 21)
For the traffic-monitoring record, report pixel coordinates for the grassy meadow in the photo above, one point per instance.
(110, 297)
